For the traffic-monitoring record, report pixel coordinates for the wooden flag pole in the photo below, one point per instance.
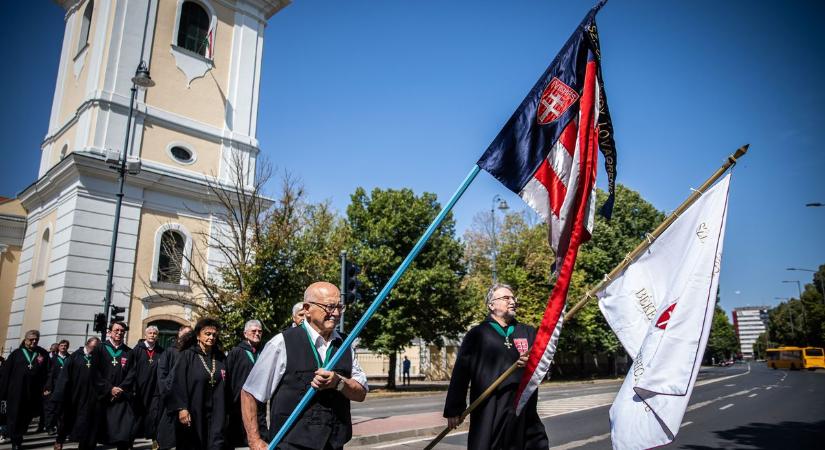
(732, 159)
(740, 152)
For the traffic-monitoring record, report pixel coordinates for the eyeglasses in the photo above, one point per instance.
(329, 309)
(255, 331)
(507, 298)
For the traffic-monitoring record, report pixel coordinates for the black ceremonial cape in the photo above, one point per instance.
(74, 399)
(481, 359)
(167, 417)
(57, 362)
(118, 415)
(192, 391)
(239, 363)
(22, 388)
(146, 400)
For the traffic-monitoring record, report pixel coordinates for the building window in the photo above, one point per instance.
(193, 29)
(64, 151)
(41, 271)
(85, 25)
(182, 154)
(170, 257)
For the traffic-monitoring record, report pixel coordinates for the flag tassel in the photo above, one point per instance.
(648, 240)
(377, 302)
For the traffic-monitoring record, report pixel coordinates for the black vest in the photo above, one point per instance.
(327, 417)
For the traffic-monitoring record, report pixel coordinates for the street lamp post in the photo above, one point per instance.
(141, 80)
(821, 285)
(502, 205)
(790, 313)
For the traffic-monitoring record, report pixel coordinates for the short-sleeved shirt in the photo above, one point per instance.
(271, 364)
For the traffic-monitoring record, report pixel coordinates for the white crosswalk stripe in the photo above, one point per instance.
(557, 407)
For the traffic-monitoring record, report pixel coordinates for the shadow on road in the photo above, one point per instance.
(790, 435)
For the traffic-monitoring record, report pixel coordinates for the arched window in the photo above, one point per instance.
(85, 24)
(170, 257)
(193, 29)
(64, 151)
(41, 271)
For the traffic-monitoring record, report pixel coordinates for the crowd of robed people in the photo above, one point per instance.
(194, 395)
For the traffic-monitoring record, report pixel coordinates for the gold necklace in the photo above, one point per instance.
(211, 371)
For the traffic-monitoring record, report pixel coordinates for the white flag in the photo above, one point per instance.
(661, 308)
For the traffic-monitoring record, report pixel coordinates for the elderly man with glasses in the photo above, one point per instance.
(290, 363)
(486, 352)
(239, 363)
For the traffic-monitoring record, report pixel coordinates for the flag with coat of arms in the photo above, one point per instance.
(547, 153)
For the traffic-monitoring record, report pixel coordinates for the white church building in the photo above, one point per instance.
(204, 57)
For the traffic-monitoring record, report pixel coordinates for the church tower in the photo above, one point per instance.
(200, 116)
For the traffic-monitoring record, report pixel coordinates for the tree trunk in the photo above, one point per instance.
(391, 375)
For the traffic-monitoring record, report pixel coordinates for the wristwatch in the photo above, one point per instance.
(340, 386)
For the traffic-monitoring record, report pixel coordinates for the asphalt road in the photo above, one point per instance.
(760, 409)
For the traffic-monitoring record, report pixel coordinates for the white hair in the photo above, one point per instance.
(252, 323)
(494, 288)
(152, 327)
(298, 306)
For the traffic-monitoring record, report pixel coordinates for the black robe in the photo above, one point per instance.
(118, 416)
(146, 401)
(167, 417)
(57, 363)
(74, 400)
(481, 359)
(205, 401)
(238, 365)
(22, 389)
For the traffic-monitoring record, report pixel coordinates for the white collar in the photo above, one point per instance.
(314, 335)
(86, 351)
(145, 344)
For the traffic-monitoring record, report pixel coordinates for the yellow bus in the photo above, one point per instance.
(793, 358)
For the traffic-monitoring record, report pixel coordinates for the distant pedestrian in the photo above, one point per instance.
(298, 314)
(405, 366)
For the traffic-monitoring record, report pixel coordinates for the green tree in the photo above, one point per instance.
(428, 301)
(800, 321)
(722, 342)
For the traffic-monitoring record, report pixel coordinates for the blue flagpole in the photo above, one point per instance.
(377, 302)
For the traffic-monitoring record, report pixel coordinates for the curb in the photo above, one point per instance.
(372, 439)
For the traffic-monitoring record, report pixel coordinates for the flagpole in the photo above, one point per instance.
(732, 159)
(377, 302)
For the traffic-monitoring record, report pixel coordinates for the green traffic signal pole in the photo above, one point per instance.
(377, 302)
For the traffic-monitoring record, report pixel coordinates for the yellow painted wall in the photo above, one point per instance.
(156, 139)
(150, 221)
(9, 261)
(205, 98)
(37, 289)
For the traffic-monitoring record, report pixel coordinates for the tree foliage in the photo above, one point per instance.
(800, 322)
(722, 342)
(428, 301)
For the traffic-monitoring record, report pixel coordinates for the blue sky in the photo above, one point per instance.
(398, 94)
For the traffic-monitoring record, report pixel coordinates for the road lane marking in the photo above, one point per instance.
(726, 407)
(769, 388)
(581, 443)
(558, 407)
(686, 424)
(716, 380)
(413, 441)
(752, 395)
(696, 406)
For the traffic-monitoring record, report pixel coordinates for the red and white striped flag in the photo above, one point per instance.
(547, 153)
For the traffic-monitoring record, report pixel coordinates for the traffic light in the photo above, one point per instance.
(100, 323)
(351, 282)
(116, 314)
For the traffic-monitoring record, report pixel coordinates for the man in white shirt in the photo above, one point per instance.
(293, 361)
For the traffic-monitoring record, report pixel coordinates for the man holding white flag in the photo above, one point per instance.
(660, 307)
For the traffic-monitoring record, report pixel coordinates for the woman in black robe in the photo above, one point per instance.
(486, 352)
(167, 416)
(22, 378)
(198, 389)
(74, 400)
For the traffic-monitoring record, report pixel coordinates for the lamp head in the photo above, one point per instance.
(142, 78)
